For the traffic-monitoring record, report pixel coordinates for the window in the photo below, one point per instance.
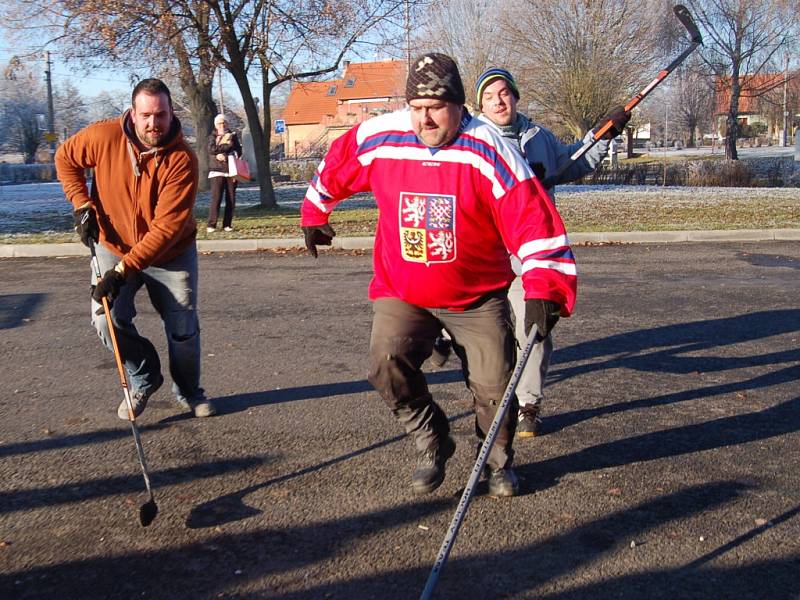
(332, 90)
(350, 82)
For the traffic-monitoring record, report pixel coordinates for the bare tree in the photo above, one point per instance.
(274, 41)
(284, 40)
(71, 109)
(741, 40)
(470, 32)
(576, 59)
(106, 105)
(145, 38)
(693, 98)
(23, 104)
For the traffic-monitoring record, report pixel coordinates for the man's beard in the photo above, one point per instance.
(151, 137)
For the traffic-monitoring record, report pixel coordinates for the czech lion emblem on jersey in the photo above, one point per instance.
(427, 227)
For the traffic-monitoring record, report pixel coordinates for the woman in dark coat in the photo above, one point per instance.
(221, 143)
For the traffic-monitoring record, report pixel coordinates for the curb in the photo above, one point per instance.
(365, 243)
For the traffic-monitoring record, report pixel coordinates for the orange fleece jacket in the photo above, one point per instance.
(144, 200)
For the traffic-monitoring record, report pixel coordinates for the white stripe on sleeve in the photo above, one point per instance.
(567, 268)
(536, 246)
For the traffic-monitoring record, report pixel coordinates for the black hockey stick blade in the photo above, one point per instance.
(148, 512)
(685, 17)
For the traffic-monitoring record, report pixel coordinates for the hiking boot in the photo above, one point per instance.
(503, 483)
(529, 424)
(139, 400)
(429, 473)
(441, 351)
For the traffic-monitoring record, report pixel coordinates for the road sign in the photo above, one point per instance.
(280, 125)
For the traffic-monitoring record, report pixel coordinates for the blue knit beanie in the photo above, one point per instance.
(493, 74)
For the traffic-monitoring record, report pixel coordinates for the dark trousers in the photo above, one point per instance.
(220, 186)
(483, 338)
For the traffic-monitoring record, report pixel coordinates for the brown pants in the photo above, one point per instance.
(483, 338)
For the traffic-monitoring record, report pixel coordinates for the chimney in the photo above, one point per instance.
(345, 64)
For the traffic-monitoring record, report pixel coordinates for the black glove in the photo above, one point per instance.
(318, 235)
(86, 224)
(619, 117)
(542, 313)
(108, 286)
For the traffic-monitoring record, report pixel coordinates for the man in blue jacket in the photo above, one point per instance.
(497, 97)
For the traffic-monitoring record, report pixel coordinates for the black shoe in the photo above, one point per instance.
(429, 473)
(441, 351)
(503, 483)
(528, 424)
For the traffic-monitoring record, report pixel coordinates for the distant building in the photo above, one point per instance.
(317, 113)
(760, 103)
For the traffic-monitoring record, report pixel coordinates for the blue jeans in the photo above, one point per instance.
(172, 288)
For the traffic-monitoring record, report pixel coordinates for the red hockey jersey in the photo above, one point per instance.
(448, 217)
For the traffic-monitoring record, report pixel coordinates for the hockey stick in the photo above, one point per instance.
(148, 510)
(477, 469)
(683, 15)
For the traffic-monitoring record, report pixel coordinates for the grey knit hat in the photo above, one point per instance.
(435, 76)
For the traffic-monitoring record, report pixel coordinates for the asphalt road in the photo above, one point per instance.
(669, 468)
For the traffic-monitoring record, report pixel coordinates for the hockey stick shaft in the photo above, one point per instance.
(477, 469)
(147, 511)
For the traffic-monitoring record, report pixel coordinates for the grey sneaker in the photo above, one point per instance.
(429, 473)
(441, 351)
(503, 483)
(204, 408)
(529, 423)
(139, 400)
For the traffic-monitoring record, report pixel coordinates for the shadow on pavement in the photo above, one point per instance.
(27, 499)
(769, 260)
(210, 565)
(786, 375)
(718, 433)
(231, 507)
(239, 402)
(61, 442)
(16, 308)
(659, 349)
(215, 564)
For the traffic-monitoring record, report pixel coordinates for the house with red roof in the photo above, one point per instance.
(316, 113)
(760, 102)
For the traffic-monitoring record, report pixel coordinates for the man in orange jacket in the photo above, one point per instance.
(139, 210)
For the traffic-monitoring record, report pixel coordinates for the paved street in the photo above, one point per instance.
(669, 468)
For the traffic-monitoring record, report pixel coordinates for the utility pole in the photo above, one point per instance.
(51, 122)
(666, 125)
(408, 36)
(221, 101)
(784, 136)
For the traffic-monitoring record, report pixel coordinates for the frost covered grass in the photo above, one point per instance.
(677, 208)
(583, 208)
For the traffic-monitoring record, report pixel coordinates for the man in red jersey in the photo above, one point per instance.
(454, 199)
